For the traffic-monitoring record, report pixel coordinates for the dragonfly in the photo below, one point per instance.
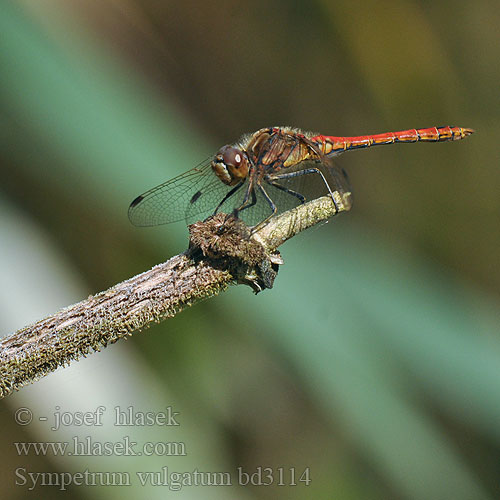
(266, 173)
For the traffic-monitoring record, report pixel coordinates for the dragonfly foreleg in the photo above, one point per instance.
(228, 195)
(246, 204)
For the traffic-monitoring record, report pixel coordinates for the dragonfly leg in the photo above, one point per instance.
(247, 202)
(289, 191)
(306, 171)
(269, 200)
(271, 204)
(228, 195)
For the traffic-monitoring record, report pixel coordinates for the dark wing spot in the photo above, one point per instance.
(195, 196)
(136, 201)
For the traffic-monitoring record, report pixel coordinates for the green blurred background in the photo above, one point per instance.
(375, 361)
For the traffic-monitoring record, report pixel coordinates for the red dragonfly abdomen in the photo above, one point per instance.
(331, 145)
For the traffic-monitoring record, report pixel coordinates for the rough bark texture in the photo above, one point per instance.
(104, 318)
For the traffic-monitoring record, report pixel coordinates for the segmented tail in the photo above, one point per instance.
(331, 146)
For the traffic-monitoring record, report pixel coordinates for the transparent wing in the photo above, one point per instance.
(337, 177)
(310, 186)
(188, 196)
(288, 192)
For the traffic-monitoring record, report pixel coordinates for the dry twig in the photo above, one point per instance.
(221, 252)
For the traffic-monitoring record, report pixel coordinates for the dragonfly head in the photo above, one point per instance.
(230, 165)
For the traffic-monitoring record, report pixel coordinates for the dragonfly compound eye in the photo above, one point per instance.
(230, 165)
(232, 157)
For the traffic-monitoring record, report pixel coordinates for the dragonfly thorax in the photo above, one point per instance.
(231, 165)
